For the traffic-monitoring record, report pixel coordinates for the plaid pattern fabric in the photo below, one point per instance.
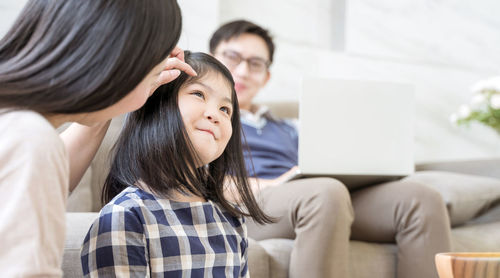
(140, 235)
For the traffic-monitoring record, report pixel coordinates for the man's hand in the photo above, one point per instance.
(257, 185)
(286, 176)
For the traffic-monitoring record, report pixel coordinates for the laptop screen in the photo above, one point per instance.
(349, 127)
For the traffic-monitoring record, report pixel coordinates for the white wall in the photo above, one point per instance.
(441, 46)
(8, 13)
(200, 18)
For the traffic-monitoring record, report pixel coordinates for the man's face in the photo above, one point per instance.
(247, 57)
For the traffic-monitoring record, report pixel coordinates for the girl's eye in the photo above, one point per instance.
(225, 109)
(198, 94)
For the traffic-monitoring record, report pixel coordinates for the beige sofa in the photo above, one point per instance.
(474, 212)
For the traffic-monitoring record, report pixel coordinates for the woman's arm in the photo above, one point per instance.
(82, 143)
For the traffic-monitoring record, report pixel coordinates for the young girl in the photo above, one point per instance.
(69, 61)
(170, 217)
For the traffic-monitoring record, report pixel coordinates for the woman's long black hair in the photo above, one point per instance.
(74, 56)
(154, 148)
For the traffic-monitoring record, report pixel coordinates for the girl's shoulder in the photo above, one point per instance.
(130, 198)
(128, 208)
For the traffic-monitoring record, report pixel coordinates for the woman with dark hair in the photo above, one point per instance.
(166, 185)
(69, 61)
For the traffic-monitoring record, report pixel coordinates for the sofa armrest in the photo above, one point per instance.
(481, 167)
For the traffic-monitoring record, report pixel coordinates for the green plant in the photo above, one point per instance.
(484, 106)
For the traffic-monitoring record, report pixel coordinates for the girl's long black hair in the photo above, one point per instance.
(154, 149)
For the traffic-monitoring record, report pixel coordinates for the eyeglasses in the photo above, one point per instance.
(255, 65)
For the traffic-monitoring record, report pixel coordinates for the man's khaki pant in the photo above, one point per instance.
(322, 216)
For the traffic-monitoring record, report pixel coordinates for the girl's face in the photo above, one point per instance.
(206, 108)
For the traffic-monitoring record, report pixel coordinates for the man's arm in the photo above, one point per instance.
(82, 143)
(257, 184)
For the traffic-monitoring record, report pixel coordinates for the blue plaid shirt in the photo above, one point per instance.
(140, 235)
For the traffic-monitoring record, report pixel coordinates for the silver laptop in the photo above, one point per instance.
(359, 132)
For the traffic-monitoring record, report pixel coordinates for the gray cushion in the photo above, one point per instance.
(466, 196)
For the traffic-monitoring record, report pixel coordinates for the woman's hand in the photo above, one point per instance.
(174, 64)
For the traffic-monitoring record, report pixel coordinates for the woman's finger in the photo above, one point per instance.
(178, 53)
(168, 76)
(175, 63)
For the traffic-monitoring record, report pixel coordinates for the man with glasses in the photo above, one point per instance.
(317, 212)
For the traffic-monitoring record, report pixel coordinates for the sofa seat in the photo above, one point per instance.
(475, 224)
(270, 258)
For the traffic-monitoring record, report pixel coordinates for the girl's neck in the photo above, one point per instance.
(179, 197)
(174, 195)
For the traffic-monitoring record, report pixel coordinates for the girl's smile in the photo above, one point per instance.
(208, 131)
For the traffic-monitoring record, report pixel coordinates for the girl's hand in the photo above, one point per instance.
(174, 64)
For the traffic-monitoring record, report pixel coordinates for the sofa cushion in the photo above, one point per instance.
(258, 260)
(279, 250)
(368, 260)
(466, 196)
(476, 238)
(77, 226)
(80, 200)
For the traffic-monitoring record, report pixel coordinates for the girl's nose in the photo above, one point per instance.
(211, 115)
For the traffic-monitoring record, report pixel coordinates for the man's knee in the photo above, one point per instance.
(421, 201)
(413, 191)
(330, 196)
(330, 189)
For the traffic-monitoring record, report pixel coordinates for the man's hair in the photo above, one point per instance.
(73, 56)
(154, 148)
(235, 28)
